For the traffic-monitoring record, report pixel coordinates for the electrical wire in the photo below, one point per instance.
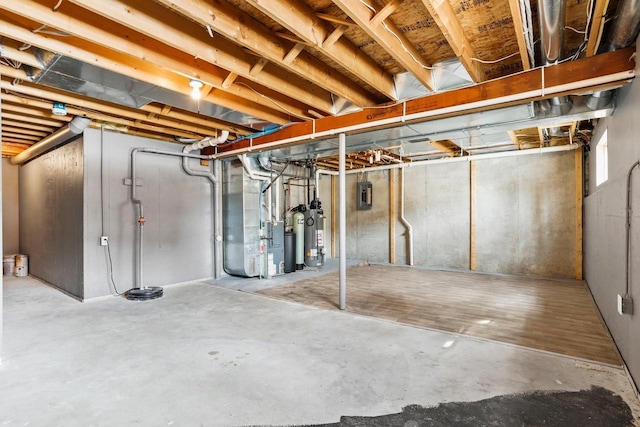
(274, 102)
(110, 271)
(495, 60)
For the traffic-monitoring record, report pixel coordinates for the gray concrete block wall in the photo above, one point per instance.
(178, 239)
(604, 225)
(51, 217)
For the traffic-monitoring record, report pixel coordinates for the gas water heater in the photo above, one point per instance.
(314, 235)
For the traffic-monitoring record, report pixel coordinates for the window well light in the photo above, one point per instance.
(196, 85)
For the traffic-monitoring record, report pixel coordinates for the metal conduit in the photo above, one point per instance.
(628, 227)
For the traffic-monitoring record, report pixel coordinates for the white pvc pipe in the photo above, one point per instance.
(403, 219)
(342, 215)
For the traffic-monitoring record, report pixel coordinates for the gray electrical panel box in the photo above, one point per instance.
(365, 196)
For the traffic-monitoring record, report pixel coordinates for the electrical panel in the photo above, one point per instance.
(365, 196)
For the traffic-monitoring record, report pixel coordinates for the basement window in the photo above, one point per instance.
(602, 159)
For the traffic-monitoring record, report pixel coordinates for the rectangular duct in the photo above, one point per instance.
(241, 219)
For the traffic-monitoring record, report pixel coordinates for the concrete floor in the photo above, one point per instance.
(204, 355)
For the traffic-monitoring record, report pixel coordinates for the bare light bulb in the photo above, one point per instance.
(196, 85)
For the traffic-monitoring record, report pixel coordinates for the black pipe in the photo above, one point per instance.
(628, 225)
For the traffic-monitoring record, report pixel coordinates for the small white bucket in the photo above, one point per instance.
(22, 265)
(8, 265)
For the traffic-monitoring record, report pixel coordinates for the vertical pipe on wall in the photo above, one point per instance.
(404, 220)
(392, 216)
(342, 220)
(217, 220)
(472, 216)
(628, 227)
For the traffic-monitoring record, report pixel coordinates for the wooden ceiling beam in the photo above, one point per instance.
(35, 105)
(26, 125)
(300, 19)
(88, 105)
(600, 72)
(156, 22)
(442, 12)
(35, 116)
(13, 129)
(597, 25)
(518, 27)
(20, 136)
(252, 34)
(11, 49)
(156, 67)
(390, 39)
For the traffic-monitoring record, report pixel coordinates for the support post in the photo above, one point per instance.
(343, 220)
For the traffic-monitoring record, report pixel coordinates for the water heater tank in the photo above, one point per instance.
(298, 230)
(314, 235)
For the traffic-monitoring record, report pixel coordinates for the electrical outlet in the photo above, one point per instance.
(104, 240)
(625, 304)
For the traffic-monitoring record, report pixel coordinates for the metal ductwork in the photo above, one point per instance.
(61, 136)
(623, 33)
(626, 25)
(551, 16)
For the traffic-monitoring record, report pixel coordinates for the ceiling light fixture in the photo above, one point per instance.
(196, 85)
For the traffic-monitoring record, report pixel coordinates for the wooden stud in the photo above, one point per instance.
(334, 19)
(258, 66)
(228, 81)
(518, 27)
(293, 53)
(334, 36)
(385, 12)
(597, 25)
(579, 200)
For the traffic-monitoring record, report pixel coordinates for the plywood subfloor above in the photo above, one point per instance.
(551, 315)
